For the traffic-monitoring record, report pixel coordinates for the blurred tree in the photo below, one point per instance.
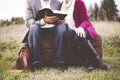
(91, 13)
(107, 11)
(102, 14)
(96, 12)
(109, 8)
(14, 20)
(17, 20)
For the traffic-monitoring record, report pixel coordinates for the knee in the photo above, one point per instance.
(81, 40)
(34, 28)
(61, 28)
(68, 34)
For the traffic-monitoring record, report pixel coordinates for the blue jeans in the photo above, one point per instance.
(34, 43)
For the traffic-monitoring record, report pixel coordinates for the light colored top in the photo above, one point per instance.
(45, 4)
(69, 7)
(33, 6)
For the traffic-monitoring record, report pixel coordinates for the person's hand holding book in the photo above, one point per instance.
(50, 19)
(61, 21)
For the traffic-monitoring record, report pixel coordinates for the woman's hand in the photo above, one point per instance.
(80, 32)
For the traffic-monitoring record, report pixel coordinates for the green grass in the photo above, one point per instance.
(9, 48)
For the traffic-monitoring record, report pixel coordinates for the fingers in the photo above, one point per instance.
(84, 35)
(50, 19)
(61, 21)
(80, 32)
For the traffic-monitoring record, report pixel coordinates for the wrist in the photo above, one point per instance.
(42, 22)
(80, 27)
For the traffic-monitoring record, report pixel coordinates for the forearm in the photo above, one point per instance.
(85, 24)
(29, 17)
(30, 22)
(84, 21)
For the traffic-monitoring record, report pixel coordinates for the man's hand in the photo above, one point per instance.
(80, 32)
(61, 21)
(50, 19)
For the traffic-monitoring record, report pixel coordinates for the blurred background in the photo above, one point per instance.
(104, 15)
(97, 9)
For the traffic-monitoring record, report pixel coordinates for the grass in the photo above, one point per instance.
(10, 42)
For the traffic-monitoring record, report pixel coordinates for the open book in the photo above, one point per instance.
(46, 11)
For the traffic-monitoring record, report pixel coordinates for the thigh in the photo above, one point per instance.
(69, 34)
(88, 37)
(68, 38)
(34, 27)
(60, 28)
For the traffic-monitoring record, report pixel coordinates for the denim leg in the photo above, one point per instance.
(59, 31)
(34, 43)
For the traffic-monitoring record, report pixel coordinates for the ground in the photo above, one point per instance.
(10, 43)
